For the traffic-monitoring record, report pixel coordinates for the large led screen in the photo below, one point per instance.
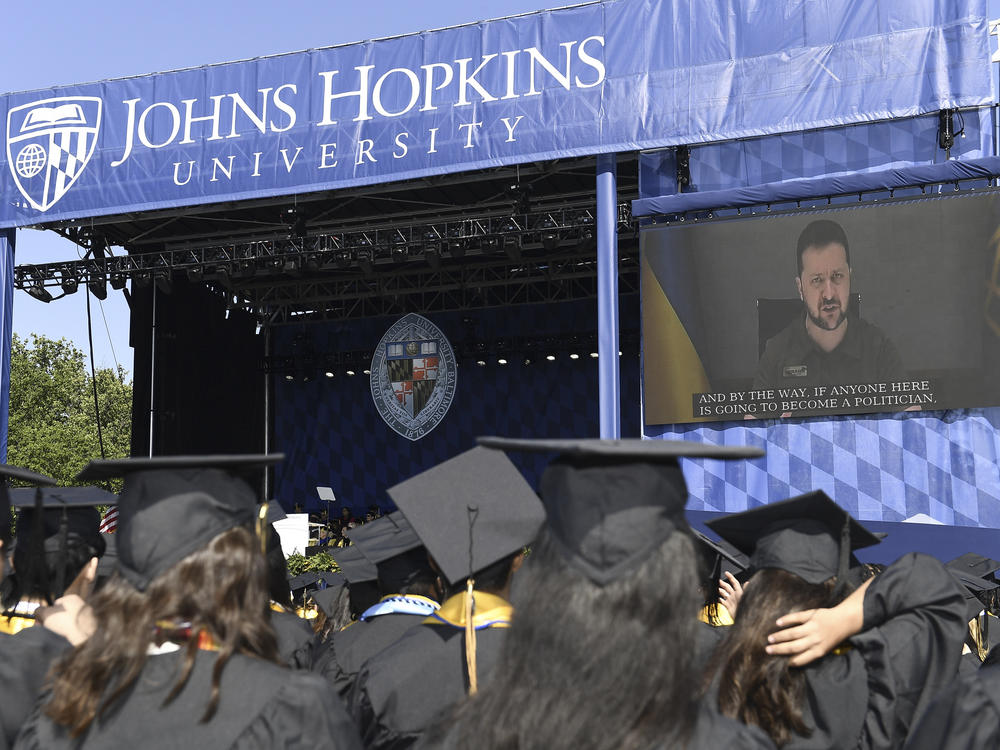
(880, 307)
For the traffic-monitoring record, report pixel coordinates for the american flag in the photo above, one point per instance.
(110, 520)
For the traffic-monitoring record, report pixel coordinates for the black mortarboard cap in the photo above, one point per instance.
(304, 580)
(8, 472)
(51, 520)
(385, 537)
(172, 506)
(354, 566)
(809, 535)
(275, 512)
(611, 503)
(721, 557)
(108, 563)
(326, 598)
(62, 497)
(972, 570)
(470, 511)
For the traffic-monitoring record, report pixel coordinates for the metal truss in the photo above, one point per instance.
(465, 263)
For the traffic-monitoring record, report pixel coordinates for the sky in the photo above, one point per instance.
(58, 42)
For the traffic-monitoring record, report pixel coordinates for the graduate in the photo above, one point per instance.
(409, 595)
(295, 635)
(963, 716)
(602, 651)
(976, 574)
(183, 653)
(333, 608)
(362, 579)
(474, 513)
(56, 557)
(815, 665)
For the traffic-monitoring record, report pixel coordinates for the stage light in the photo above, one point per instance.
(526, 361)
(456, 244)
(39, 292)
(163, 282)
(68, 283)
(501, 360)
(550, 235)
(118, 281)
(366, 371)
(574, 355)
(512, 246)
(194, 275)
(550, 357)
(98, 286)
(594, 355)
(433, 256)
(481, 362)
(258, 328)
(329, 373)
(365, 262)
(289, 377)
(351, 373)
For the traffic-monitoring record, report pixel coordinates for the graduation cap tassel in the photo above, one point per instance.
(470, 611)
(63, 553)
(470, 636)
(845, 555)
(262, 527)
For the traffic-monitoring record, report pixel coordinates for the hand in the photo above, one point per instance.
(69, 617)
(730, 593)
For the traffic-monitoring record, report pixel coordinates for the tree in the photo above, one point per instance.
(52, 427)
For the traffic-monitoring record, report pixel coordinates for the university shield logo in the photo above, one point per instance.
(49, 143)
(413, 376)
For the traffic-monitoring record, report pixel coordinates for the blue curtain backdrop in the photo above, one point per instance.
(332, 434)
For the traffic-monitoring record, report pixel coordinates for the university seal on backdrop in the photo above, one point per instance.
(49, 142)
(413, 376)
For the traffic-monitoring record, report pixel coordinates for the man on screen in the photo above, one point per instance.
(829, 344)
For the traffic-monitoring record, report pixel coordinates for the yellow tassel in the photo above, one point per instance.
(470, 636)
(262, 528)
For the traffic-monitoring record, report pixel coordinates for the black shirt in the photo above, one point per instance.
(792, 360)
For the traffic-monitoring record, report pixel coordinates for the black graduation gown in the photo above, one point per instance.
(262, 705)
(340, 659)
(712, 731)
(964, 715)
(295, 638)
(25, 659)
(403, 689)
(869, 695)
(707, 639)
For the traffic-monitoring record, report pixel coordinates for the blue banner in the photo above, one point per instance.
(611, 76)
(6, 330)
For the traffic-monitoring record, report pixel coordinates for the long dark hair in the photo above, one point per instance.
(221, 589)
(591, 666)
(753, 686)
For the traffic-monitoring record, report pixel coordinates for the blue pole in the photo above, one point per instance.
(607, 295)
